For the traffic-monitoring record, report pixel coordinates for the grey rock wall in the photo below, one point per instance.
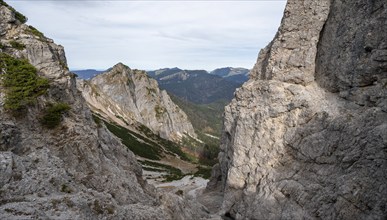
(305, 137)
(75, 171)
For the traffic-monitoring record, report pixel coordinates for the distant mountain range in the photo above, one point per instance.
(238, 75)
(197, 86)
(87, 74)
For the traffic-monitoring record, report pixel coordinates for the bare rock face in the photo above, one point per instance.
(352, 53)
(305, 137)
(130, 96)
(77, 170)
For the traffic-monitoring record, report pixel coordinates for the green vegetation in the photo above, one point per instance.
(2, 46)
(173, 148)
(97, 120)
(129, 81)
(122, 119)
(151, 91)
(149, 148)
(206, 118)
(97, 207)
(173, 173)
(153, 169)
(209, 150)
(35, 32)
(66, 189)
(205, 152)
(18, 15)
(21, 82)
(130, 140)
(53, 114)
(159, 111)
(204, 172)
(17, 45)
(179, 192)
(63, 65)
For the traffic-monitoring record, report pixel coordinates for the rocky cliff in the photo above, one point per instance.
(77, 170)
(305, 137)
(130, 96)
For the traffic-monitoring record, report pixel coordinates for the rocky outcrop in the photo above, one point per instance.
(77, 170)
(129, 97)
(305, 137)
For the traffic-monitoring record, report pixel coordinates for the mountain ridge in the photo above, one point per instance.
(130, 95)
(233, 74)
(197, 86)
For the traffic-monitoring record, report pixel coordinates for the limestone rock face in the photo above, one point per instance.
(77, 170)
(130, 96)
(305, 137)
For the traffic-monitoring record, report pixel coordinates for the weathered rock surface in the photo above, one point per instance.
(78, 170)
(130, 95)
(306, 136)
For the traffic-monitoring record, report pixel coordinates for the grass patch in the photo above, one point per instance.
(173, 173)
(19, 16)
(172, 147)
(53, 114)
(204, 172)
(152, 169)
(127, 137)
(122, 119)
(36, 32)
(21, 82)
(159, 111)
(18, 46)
(97, 120)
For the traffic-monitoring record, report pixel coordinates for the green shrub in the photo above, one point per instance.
(66, 189)
(19, 16)
(17, 45)
(23, 19)
(53, 114)
(2, 46)
(22, 84)
(159, 111)
(97, 120)
(64, 65)
(35, 32)
(204, 172)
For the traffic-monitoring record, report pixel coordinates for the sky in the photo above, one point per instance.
(153, 34)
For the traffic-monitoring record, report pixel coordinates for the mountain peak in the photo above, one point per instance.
(120, 66)
(136, 98)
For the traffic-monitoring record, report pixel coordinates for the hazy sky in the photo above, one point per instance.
(144, 34)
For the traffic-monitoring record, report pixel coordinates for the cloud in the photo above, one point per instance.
(153, 34)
